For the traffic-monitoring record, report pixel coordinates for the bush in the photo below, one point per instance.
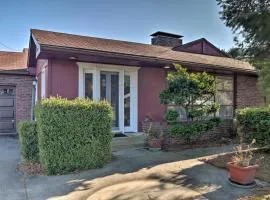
(188, 130)
(28, 141)
(172, 115)
(254, 123)
(73, 134)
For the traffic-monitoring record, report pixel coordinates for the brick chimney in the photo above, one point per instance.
(166, 39)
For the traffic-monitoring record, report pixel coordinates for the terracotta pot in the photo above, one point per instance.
(242, 175)
(155, 142)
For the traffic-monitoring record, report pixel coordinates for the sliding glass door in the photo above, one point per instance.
(118, 86)
(109, 91)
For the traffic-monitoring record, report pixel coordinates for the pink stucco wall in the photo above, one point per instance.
(151, 81)
(63, 79)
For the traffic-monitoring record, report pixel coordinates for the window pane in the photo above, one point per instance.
(89, 85)
(226, 112)
(202, 100)
(115, 98)
(103, 83)
(224, 98)
(181, 111)
(127, 100)
(224, 83)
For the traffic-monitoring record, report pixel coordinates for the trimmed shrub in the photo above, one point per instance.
(28, 141)
(171, 115)
(73, 134)
(191, 129)
(254, 123)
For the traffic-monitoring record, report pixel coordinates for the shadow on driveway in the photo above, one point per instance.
(132, 174)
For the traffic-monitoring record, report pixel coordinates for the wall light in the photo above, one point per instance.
(72, 58)
(167, 67)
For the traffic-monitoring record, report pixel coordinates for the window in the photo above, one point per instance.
(127, 100)
(224, 96)
(88, 85)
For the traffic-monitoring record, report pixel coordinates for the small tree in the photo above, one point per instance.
(193, 91)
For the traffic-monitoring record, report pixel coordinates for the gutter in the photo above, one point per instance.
(141, 57)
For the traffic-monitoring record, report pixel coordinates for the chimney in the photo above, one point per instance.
(166, 39)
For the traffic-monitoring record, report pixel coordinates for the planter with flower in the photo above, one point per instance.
(155, 136)
(243, 167)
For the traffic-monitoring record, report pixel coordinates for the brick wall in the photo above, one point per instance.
(248, 94)
(224, 130)
(23, 96)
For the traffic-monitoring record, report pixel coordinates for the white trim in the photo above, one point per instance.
(121, 101)
(133, 102)
(95, 69)
(81, 82)
(96, 84)
(43, 83)
(37, 46)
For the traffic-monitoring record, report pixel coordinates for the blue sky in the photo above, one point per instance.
(116, 19)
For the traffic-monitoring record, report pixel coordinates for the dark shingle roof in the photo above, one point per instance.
(135, 49)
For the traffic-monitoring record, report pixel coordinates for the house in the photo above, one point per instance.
(131, 75)
(16, 90)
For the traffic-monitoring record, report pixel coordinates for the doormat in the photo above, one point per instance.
(119, 135)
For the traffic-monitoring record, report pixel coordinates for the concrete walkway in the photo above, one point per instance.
(134, 173)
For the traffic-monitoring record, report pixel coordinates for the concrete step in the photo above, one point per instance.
(133, 140)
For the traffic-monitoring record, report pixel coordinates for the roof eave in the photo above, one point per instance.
(46, 47)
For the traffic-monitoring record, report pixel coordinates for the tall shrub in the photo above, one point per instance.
(73, 134)
(254, 123)
(194, 92)
(28, 141)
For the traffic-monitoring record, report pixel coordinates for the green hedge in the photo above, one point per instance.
(254, 123)
(188, 130)
(28, 141)
(73, 134)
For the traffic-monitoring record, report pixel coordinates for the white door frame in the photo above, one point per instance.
(95, 69)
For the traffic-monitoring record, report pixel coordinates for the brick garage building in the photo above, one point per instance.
(16, 90)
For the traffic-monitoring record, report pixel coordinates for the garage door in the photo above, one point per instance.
(7, 109)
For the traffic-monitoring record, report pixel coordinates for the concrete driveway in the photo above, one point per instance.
(12, 184)
(134, 173)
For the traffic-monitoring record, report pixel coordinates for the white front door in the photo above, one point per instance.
(115, 84)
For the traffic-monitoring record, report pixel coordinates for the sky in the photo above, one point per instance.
(131, 20)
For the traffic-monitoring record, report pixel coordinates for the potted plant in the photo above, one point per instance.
(242, 168)
(154, 138)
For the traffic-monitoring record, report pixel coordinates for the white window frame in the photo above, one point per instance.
(43, 83)
(95, 69)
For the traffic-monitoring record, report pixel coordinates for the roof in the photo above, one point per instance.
(166, 34)
(64, 40)
(194, 42)
(13, 60)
